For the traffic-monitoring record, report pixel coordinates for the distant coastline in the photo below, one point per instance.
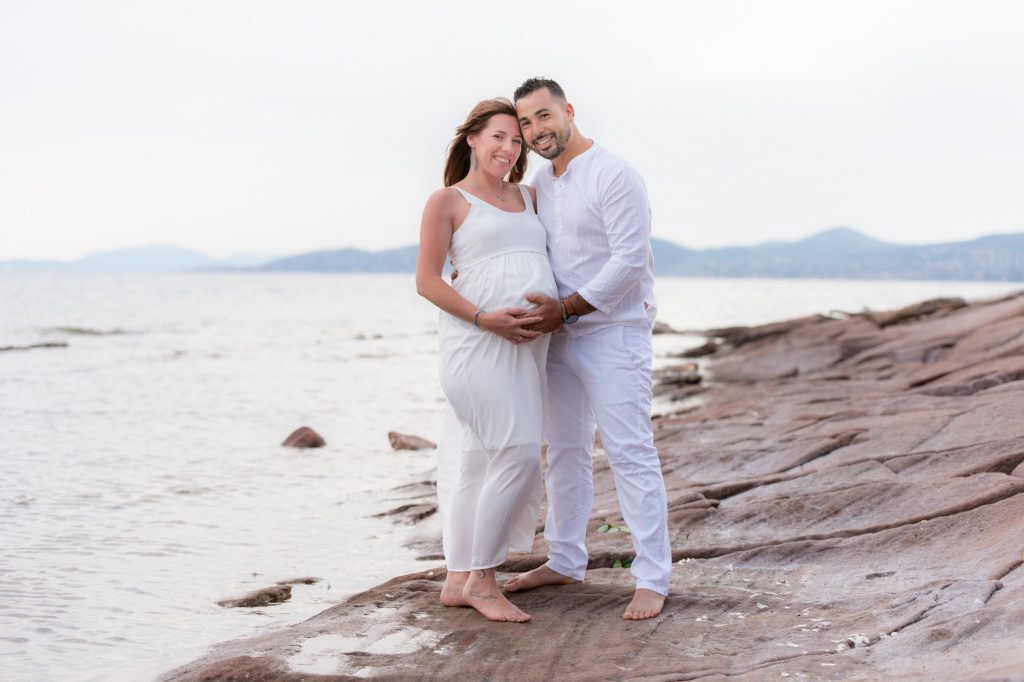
(839, 253)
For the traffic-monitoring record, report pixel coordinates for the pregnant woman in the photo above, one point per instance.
(492, 366)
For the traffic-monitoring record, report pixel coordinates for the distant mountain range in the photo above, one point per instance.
(840, 253)
(843, 253)
(834, 254)
(142, 259)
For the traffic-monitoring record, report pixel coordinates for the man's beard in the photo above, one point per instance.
(560, 142)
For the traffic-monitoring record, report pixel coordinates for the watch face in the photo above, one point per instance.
(570, 319)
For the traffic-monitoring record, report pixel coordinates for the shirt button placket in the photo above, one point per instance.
(558, 204)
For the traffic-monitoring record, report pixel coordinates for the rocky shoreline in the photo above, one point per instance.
(846, 502)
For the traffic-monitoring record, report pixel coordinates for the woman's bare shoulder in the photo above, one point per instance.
(445, 199)
(443, 195)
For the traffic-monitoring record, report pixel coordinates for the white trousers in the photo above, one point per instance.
(603, 379)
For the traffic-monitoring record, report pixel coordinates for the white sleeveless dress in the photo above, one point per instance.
(489, 480)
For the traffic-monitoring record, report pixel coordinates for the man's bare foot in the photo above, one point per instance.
(451, 592)
(646, 604)
(538, 577)
(482, 593)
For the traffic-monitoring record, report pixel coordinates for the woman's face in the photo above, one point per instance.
(498, 146)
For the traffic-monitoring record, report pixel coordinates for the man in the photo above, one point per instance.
(594, 208)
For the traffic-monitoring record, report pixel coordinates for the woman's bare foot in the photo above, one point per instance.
(646, 604)
(451, 592)
(482, 593)
(538, 577)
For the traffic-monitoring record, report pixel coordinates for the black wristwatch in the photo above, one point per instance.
(569, 315)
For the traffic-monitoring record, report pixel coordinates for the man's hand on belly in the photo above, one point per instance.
(548, 308)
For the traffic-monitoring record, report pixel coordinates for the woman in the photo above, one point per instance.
(492, 366)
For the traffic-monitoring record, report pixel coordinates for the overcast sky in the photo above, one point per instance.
(284, 127)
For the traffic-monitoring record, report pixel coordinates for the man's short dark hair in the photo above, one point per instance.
(533, 84)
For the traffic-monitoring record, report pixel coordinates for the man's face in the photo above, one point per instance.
(546, 122)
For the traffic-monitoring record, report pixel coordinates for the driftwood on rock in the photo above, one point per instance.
(846, 503)
(402, 441)
(304, 437)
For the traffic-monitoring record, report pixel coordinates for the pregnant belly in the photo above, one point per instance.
(504, 281)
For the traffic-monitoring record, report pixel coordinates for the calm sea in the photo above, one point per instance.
(143, 478)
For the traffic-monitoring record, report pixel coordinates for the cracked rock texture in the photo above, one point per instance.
(845, 503)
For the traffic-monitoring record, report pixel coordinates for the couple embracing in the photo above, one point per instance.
(545, 335)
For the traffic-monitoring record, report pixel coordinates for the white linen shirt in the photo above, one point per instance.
(598, 223)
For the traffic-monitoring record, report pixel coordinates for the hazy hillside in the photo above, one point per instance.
(141, 259)
(844, 253)
(836, 253)
(349, 260)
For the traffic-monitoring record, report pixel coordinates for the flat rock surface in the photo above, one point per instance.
(846, 503)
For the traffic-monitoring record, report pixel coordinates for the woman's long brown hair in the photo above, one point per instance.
(456, 166)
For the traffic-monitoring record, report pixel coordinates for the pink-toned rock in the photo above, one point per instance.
(304, 437)
(916, 311)
(402, 441)
(846, 503)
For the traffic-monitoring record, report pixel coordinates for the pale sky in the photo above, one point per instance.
(285, 127)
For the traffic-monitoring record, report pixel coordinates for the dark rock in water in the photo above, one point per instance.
(402, 441)
(678, 392)
(678, 374)
(304, 437)
(50, 344)
(700, 351)
(678, 382)
(299, 581)
(85, 331)
(847, 505)
(268, 595)
(663, 328)
(410, 513)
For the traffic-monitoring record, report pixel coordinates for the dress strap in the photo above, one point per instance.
(469, 197)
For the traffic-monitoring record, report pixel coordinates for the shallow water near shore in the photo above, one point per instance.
(143, 476)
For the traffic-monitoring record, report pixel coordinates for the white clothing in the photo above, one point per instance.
(604, 379)
(599, 237)
(489, 481)
(599, 369)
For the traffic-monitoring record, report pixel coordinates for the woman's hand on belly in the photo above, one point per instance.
(511, 324)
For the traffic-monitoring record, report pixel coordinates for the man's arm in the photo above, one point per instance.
(627, 219)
